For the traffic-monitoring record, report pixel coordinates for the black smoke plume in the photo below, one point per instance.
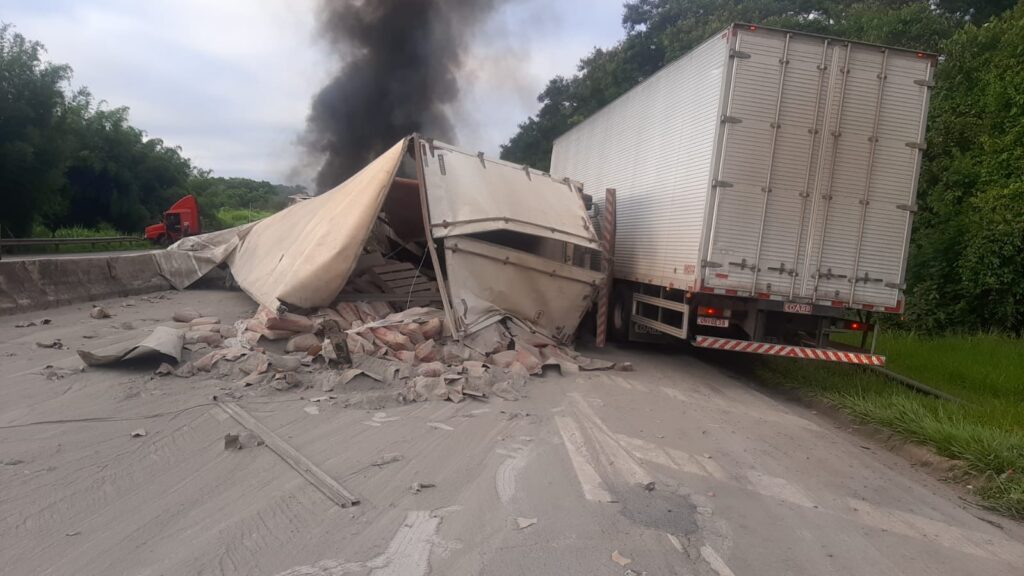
(400, 63)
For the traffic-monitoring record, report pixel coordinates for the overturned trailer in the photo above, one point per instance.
(486, 239)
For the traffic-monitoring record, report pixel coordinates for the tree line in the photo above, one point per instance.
(966, 270)
(69, 160)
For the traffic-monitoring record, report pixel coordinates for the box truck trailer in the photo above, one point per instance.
(766, 186)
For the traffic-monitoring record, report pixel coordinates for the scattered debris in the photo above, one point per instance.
(186, 370)
(73, 533)
(13, 462)
(163, 341)
(138, 433)
(312, 410)
(439, 426)
(333, 379)
(52, 373)
(231, 442)
(165, 369)
(387, 459)
(99, 313)
(649, 486)
(418, 487)
(36, 322)
(186, 315)
(56, 344)
(522, 523)
(620, 559)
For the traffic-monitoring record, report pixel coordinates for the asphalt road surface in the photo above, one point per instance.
(560, 482)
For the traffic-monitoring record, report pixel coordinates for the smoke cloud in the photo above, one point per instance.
(399, 72)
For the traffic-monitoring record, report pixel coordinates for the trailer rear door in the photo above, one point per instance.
(817, 169)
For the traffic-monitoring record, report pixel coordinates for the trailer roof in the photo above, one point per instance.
(747, 26)
(816, 35)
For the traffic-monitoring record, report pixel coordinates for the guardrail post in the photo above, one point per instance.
(607, 260)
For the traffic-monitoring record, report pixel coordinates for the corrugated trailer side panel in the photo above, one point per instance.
(655, 146)
(815, 201)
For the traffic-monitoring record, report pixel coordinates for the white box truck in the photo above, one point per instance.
(766, 186)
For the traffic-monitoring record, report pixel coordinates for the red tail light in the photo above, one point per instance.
(713, 311)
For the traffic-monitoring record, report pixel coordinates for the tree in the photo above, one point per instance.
(660, 31)
(115, 174)
(32, 104)
(967, 262)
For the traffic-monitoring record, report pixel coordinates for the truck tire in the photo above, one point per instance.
(621, 313)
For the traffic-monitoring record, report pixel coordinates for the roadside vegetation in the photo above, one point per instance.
(231, 217)
(103, 231)
(985, 431)
(69, 160)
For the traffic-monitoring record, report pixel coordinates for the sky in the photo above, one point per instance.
(230, 81)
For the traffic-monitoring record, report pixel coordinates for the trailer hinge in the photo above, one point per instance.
(864, 279)
(742, 265)
(925, 83)
(828, 275)
(734, 53)
(726, 119)
(896, 285)
(721, 183)
(916, 145)
(709, 264)
(912, 208)
(781, 269)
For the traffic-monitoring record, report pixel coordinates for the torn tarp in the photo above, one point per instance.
(163, 341)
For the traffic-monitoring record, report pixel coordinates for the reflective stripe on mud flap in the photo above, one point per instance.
(804, 352)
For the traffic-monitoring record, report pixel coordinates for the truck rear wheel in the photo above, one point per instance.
(621, 313)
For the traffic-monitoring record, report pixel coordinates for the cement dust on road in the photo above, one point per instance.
(676, 468)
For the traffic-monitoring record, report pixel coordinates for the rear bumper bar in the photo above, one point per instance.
(788, 351)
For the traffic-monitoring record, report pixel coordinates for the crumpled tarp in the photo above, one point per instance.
(302, 255)
(163, 341)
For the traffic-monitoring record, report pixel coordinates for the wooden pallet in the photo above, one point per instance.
(403, 278)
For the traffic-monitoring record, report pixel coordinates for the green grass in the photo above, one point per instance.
(231, 217)
(985, 432)
(79, 232)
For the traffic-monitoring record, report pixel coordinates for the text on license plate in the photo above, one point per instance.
(716, 322)
(796, 308)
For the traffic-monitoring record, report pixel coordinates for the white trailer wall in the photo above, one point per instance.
(655, 146)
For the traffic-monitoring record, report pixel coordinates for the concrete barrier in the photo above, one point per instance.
(27, 285)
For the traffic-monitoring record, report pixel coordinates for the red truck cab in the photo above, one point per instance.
(180, 220)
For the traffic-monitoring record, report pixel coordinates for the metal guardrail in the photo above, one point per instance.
(21, 242)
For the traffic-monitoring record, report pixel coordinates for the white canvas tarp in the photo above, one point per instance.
(304, 254)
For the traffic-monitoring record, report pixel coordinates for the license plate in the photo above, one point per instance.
(796, 308)
(716, 322)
